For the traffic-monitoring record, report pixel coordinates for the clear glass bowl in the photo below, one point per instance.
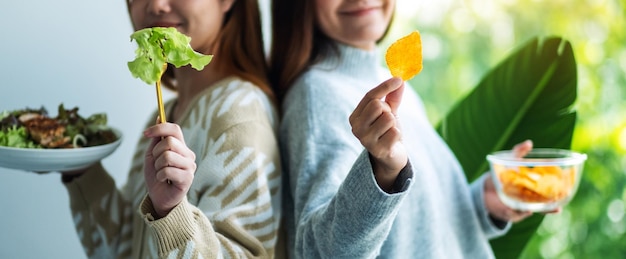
(543, 180)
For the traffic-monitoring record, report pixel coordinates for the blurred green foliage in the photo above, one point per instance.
(462, 40)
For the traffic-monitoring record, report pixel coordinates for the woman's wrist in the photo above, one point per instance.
(391, 182)
(69, 176)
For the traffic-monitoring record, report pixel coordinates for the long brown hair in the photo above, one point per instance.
(297, 42)
(239, 47)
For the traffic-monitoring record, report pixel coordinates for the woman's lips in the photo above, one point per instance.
(164, 24)
(360, 11)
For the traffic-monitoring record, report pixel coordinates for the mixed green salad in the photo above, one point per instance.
(35, 128)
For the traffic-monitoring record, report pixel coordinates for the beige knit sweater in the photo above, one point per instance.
(233, 207)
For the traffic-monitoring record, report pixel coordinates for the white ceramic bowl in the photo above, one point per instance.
(543, 180)
(55, 160)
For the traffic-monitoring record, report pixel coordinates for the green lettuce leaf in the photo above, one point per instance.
(158, 46)
(16, 137)
(4, 114)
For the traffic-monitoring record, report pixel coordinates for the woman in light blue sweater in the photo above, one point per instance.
(405, 194)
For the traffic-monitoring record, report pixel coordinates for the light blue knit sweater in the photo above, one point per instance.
(335, 209)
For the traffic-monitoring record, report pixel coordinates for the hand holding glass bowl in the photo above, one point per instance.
(542, 181)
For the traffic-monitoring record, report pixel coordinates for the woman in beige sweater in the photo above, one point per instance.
(206, 184)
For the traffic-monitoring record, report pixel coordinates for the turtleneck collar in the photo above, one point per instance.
(353, 61)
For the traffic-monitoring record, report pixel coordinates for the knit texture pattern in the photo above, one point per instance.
(232, 209)
(333, 206)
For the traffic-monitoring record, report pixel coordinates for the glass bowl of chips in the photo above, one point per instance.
(543, 180)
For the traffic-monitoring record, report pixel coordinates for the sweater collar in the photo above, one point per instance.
(353, 61)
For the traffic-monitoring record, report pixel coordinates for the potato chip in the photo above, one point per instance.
(404, 57)
(537, 184)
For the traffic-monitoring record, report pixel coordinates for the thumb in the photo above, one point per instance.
(521, 149)
(394, 99)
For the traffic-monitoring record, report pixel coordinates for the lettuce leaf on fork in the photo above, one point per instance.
(158, 46)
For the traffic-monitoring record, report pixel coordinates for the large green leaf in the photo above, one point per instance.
(530, 95)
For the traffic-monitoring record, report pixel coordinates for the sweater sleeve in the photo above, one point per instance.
(339, 210)
(232, 208)
(354, 223)
(101, 214)
(185, 227)
(491, 229)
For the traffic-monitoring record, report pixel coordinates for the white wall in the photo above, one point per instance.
(72, 52)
